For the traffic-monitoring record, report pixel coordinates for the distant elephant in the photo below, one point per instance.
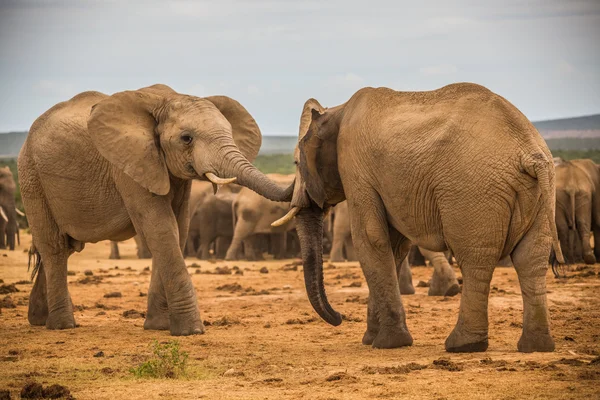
(100, 167)
(578, 209)
(253, 214)
(142, 249)
(386, 153)
(341, 247)
(213, 220)
(9, 227)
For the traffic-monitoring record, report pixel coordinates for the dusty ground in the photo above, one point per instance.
(282, 349)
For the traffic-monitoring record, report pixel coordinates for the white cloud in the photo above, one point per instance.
(441, 69)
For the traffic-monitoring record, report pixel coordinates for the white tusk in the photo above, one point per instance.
(287, 217)
(21, 213)
(218, 181)
(3, 214)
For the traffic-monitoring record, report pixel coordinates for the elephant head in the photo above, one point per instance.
(318, 186)
(154, 133)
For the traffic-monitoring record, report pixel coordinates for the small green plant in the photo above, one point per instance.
(167, 361)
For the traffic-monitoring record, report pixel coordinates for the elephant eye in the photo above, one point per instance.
(186, 138)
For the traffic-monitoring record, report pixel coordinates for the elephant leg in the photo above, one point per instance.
(114, 251)
(471, 331)
(165, 231)
(279, 240)
(583, 223)
(2, 233)
(204, 248)
(223, 243)
(405, 278)
(415, 258)
(142, 248)
(337, 248)
(239, 237)
(372, 322)
(530, 258)
(60, 307)
(371, 237)
(349, 249)
(443, 280)
(157, 316)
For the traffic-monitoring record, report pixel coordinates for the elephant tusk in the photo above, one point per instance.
(287, 217)
(3, 214)
(21, 213)
(218, 181)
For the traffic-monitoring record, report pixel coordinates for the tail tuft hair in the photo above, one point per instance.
(35, 260)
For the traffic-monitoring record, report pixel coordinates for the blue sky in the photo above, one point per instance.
(542, 55)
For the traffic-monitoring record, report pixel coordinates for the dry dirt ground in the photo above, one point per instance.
(278, 347)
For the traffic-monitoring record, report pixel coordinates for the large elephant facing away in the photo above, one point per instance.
(99, 167)
(578, 209)
(386, 153)
(9, 227)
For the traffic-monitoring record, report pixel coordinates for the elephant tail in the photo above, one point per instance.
(537, 166)
(35, 261)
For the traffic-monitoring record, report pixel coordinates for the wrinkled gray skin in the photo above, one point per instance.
(253, 214)
(493, 198)
(443, 281)
(578, 209)
(100, 167)
(142, 249)
(9, 228)
(213, 220)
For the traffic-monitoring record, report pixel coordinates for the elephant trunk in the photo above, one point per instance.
(309, 225)
(232, 163)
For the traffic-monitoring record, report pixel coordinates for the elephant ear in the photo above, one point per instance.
(246, 133)
(122, 128)
(318, 157)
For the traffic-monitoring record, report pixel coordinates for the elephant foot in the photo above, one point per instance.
(460, 341)
(531, 342)
(185, 325)
(392, 338)
(407, 288)
(157, 322)
(369, 337)
(450, 291)
(589, 258)
(61, 319)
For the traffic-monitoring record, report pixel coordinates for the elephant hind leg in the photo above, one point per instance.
(530, 258)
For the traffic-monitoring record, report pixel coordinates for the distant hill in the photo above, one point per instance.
(578, 133)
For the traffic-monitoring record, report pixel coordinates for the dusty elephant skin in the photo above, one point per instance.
(495, 197)
(9, 230)
(578, 209)
(100, 167)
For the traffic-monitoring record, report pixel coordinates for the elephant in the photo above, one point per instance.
(213, 223)
(253, 214)
(103, 167)
(578, 209)
(9, 227)
(385, 152)
(142, 249)
(443, 281)
(341, 246)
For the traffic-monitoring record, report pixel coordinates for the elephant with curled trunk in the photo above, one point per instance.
(9, 227)
(386, 153)
(578, 209)
(99, 167)
(443, 282)
(252, 215)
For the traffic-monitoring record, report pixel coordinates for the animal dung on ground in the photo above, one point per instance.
(5, 289)
(264, 270)
(113, 294)
(133, 314)
(88, 272)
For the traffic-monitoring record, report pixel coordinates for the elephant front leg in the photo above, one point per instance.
(157, 315)
(114, 251)
(372, 323)
(405, 277)
(371, 238)
(443, 280)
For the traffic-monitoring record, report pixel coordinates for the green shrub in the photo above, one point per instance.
(167, 361)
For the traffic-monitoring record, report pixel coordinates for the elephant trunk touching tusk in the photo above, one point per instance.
(218, 181)
(287, 217)
(21, 213)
